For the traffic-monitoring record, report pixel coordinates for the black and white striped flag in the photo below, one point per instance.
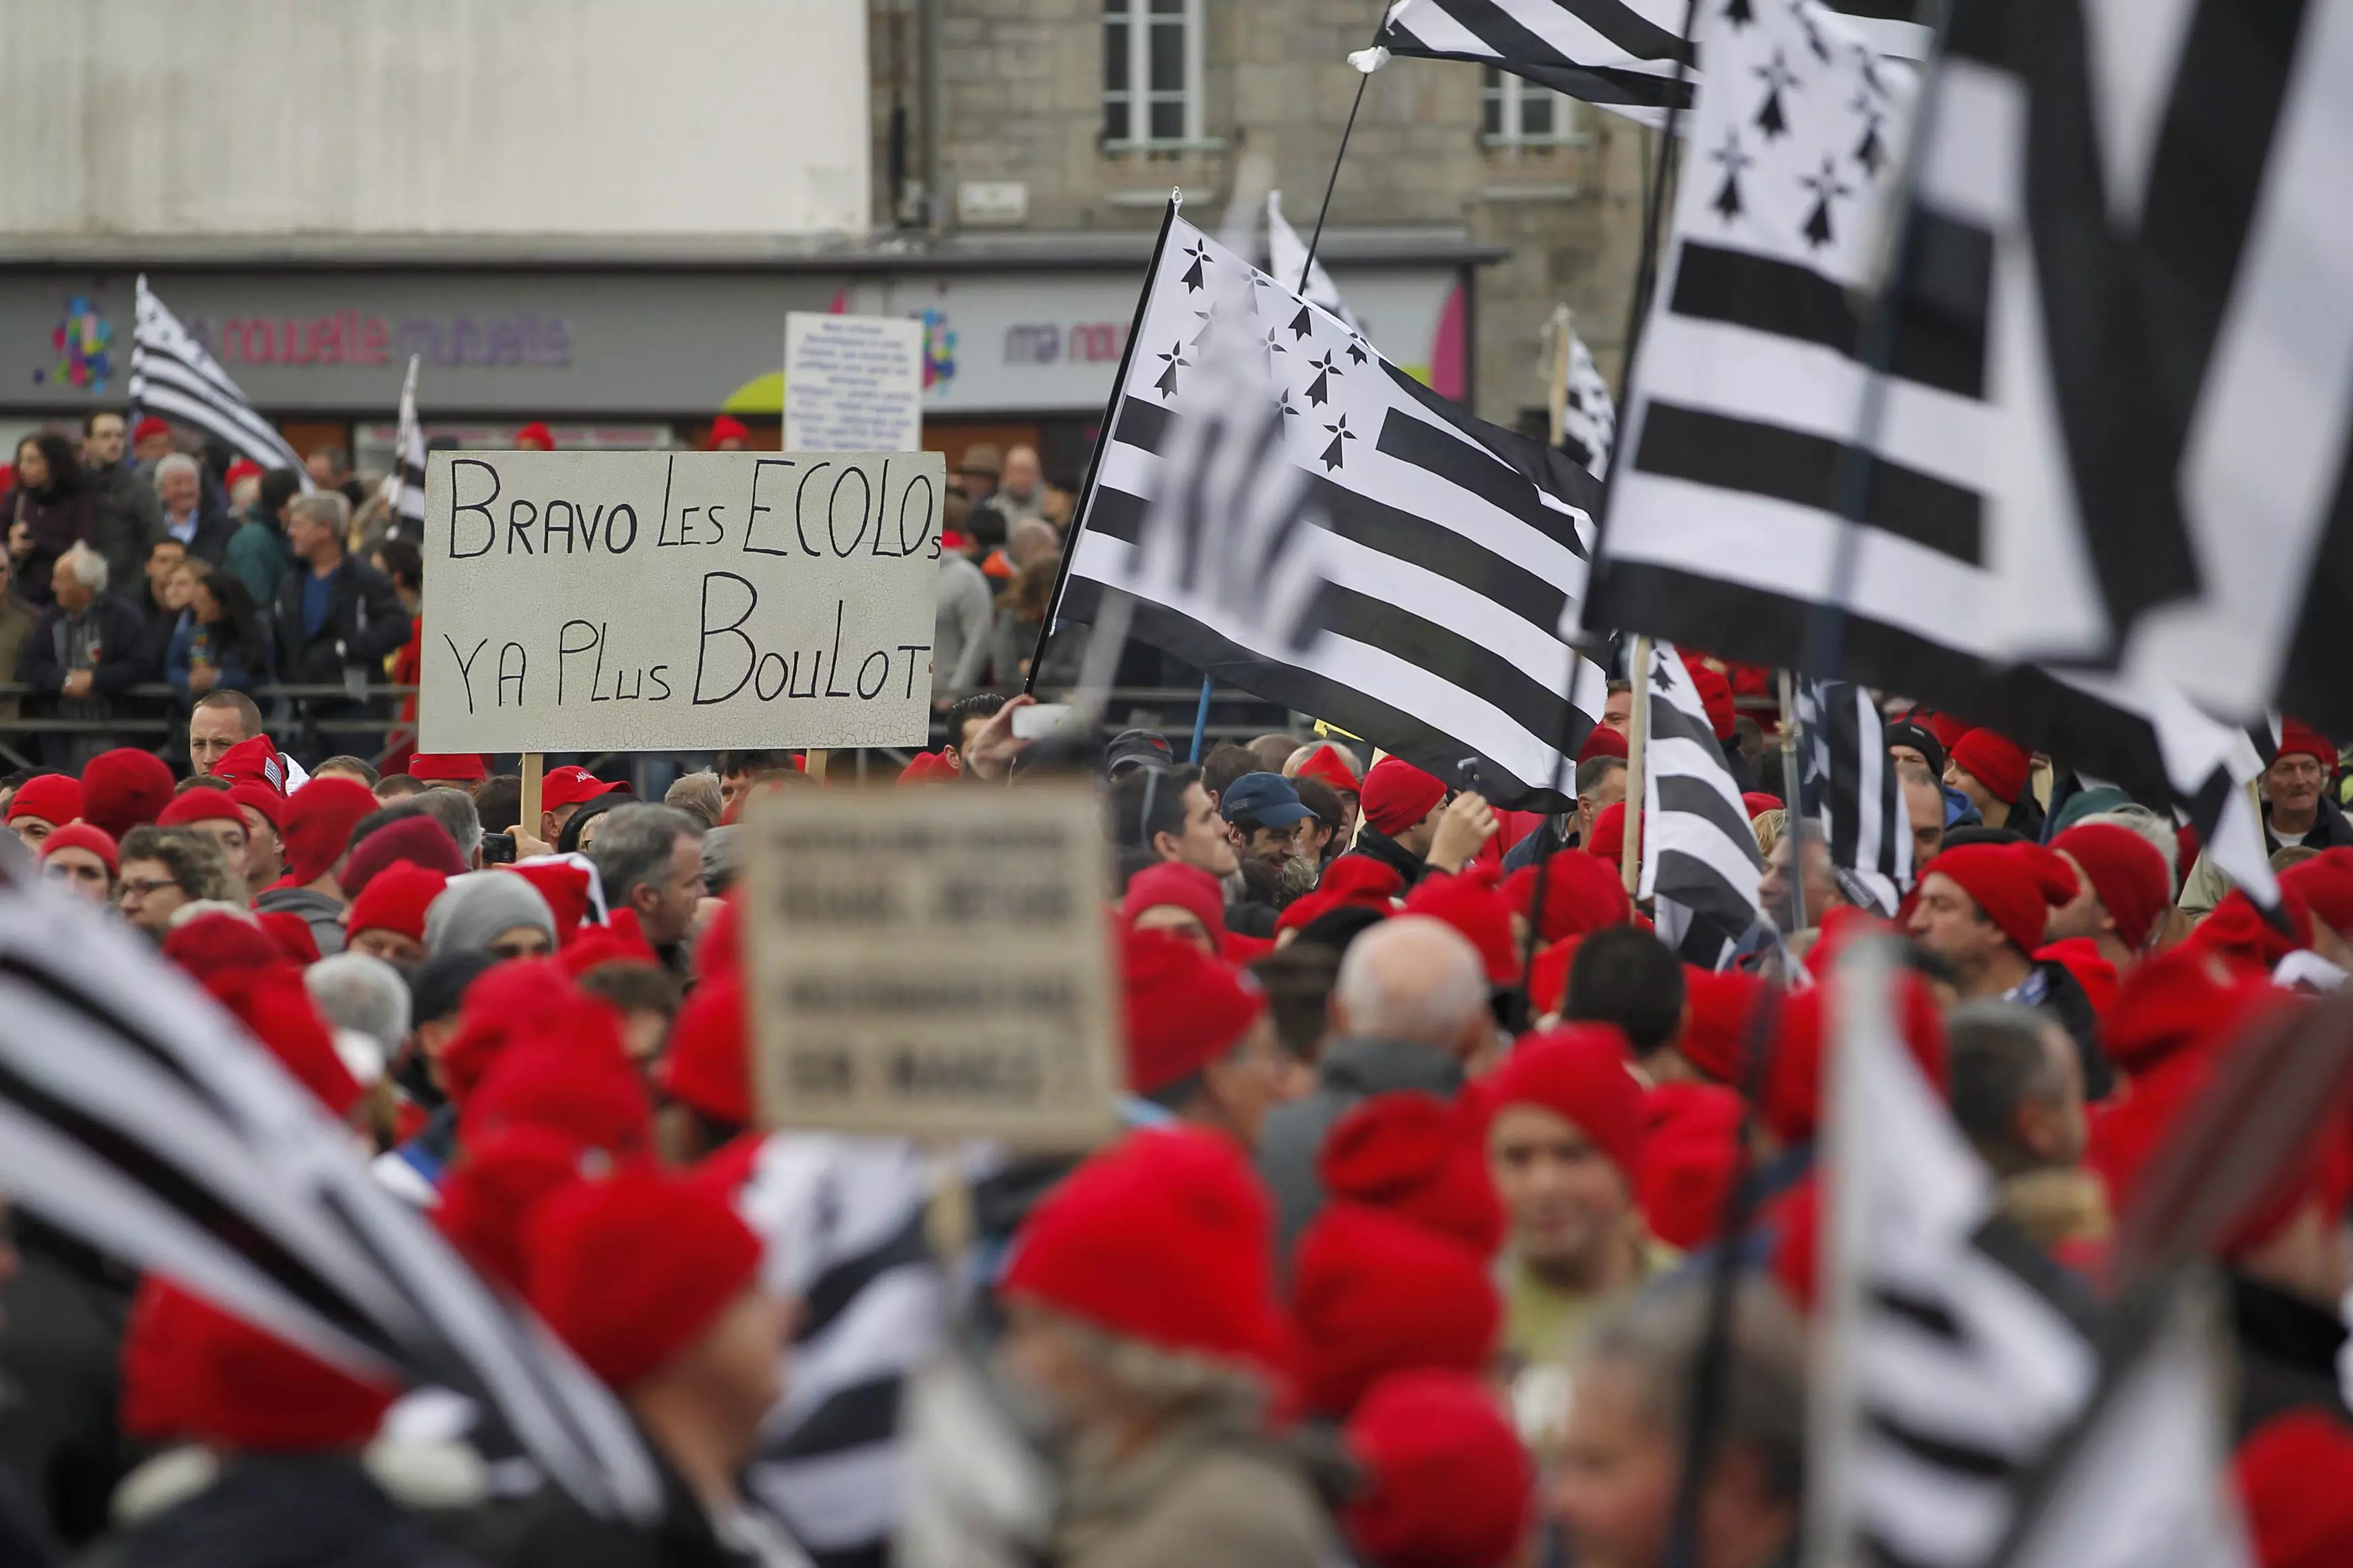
(406, 484)
(1849, 785)
(1620, 53)
(1700, 859)
(1589, 424)
(136, 1115)
(172, 374)
(1293, 514)
(1287, 258)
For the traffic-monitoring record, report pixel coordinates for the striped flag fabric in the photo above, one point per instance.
(1621, 55)
(1589, 425)
(406, 484)
(1700, 859)
(1849, 784)
(1288, 511)
(1287, 259)
(137, 1116)
(172, 374)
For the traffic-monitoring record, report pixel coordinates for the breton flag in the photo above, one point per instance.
(1622, 55)
(1287, 257)
(171, 375)
(1284, 508)
(136, 1115)
(404, 486)
(1849, 784)
(1700, 859)
(1589, 425)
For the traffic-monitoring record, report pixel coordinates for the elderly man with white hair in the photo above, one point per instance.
(189, 515)
(87, 647)
(1408, 1011)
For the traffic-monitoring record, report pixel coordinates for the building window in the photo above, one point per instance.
(1515, 112)
(1152, 72)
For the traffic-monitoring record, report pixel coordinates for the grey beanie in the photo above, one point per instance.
(477, 908)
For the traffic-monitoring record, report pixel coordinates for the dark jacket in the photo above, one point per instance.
(232, 673)
(2063, 998)
(1551, 836)
(364, 625)
(1350, 1071)
(214, 528)
(551, 1530)
(259, 556)
(285, 1511)
(127, 519)
(1378, 846)
(61, 1320)
(2333, 829)
(56, 527)
(2288, 1354)
(125, 656)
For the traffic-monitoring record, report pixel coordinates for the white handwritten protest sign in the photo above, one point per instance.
(933, 962)
(853, 384)
(686, 601)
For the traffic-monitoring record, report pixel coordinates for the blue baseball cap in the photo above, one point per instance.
(1267, 799)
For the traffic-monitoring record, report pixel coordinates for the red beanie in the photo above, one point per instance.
(2241, 936)
(1183, 887)
(1792, 1107)
(2326, 886)
(727, 428)
(1582, 893)
(256, 760)
(536, 434)
(501, 1008)
(126, 788)
(1447, 1485)
(2127, 872)
(1947, 729)
(1757, 803)
(1689, 1162)
(319, 822)
(244, 468)
(55, 798)
(2295, 1480)
(291, 933)
(2176, 1001)
(1548, 976)
(1714, 697)
(1362, 881)
(2296, 736)
(2002, 765)
(1185, 1009)
(495, 1186)
(1327, 765)
(261, 798)
(632, 1270)
(1165, 1236)
(1372, 1294)
(719, 949)
(2015, 885)
(447, 767)
(2081, 957)
(212, 943)
(572, 1075)
(415, 841)
(1603, 742)
(396, 899)
(928, 767)
(201, 806)
(1723, 1009)
(82, 835)
(1397, 795)
(1579, 1072)
(709, 1065)
(192, 1371)
(274, 1006)
(1472, 904)
(1417, 1157)
(566, 889)
(148, 428)
(1607, 837)
(620, 939)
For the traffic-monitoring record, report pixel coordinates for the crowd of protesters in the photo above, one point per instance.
(1393, 1265)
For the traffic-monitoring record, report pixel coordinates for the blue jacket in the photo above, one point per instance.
(186, 636)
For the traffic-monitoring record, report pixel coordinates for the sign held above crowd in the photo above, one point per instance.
(687, 601)
(932, 964)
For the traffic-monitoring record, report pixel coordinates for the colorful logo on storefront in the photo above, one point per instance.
(84, 343)
(939, 348)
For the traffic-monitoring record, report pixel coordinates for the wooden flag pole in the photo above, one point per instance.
(1560, 330)
(1629, 858)
(534, 766)
(816, 760)
(1793, 827)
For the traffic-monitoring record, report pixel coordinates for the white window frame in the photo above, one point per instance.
(1510, 93)
(1137, 15)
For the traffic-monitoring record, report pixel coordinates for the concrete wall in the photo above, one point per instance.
(434, 117)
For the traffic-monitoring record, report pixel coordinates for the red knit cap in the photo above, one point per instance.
(2002, 765)
(1417, 1157)
(2081, 957)
(1179, 886)
(632, 1270)
(1757, 803)
(1603, 742)
(1579, 1072)
(2295, 1479)
(572, 1075)
(2241, 936)
(708, 1063)
(1372, 1294)
(1723, 1009)
(2326, 886)
(566, 889)
(499, 1009)
(1714, 697)
(1582, 893)
(418, 842)
(320, 817)
(447, 767)
(55, 798)
(927, 767)
(1447, 1485)
(1397, 795)
(201, 806)
(293, 935)
(1793, 1079)
(1325, 764)
(395, 900)
(720, 949)
(256, 761)
(535, 436)
(2176, 1001)
(212, 942)
(1947, 729)
(1185, 1009)
(1363, 881)
(1607, 837)
(82, 835)
(2296, 736)
(274, 1006)
(1165, 1236)
(1472, 904)
(244, 468)
(193, 1372)
(1548, 976)
(620, 939)
(496, 1186)
(2127, 872)
(147, 428)
(2015, 885)
(124, 789)
(1689, 1162)
(261, 798)
(727, 428)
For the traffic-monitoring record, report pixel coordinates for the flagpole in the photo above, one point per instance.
(1792, 827)
(1200, 720)
(1638, 738)
(1364, 77)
